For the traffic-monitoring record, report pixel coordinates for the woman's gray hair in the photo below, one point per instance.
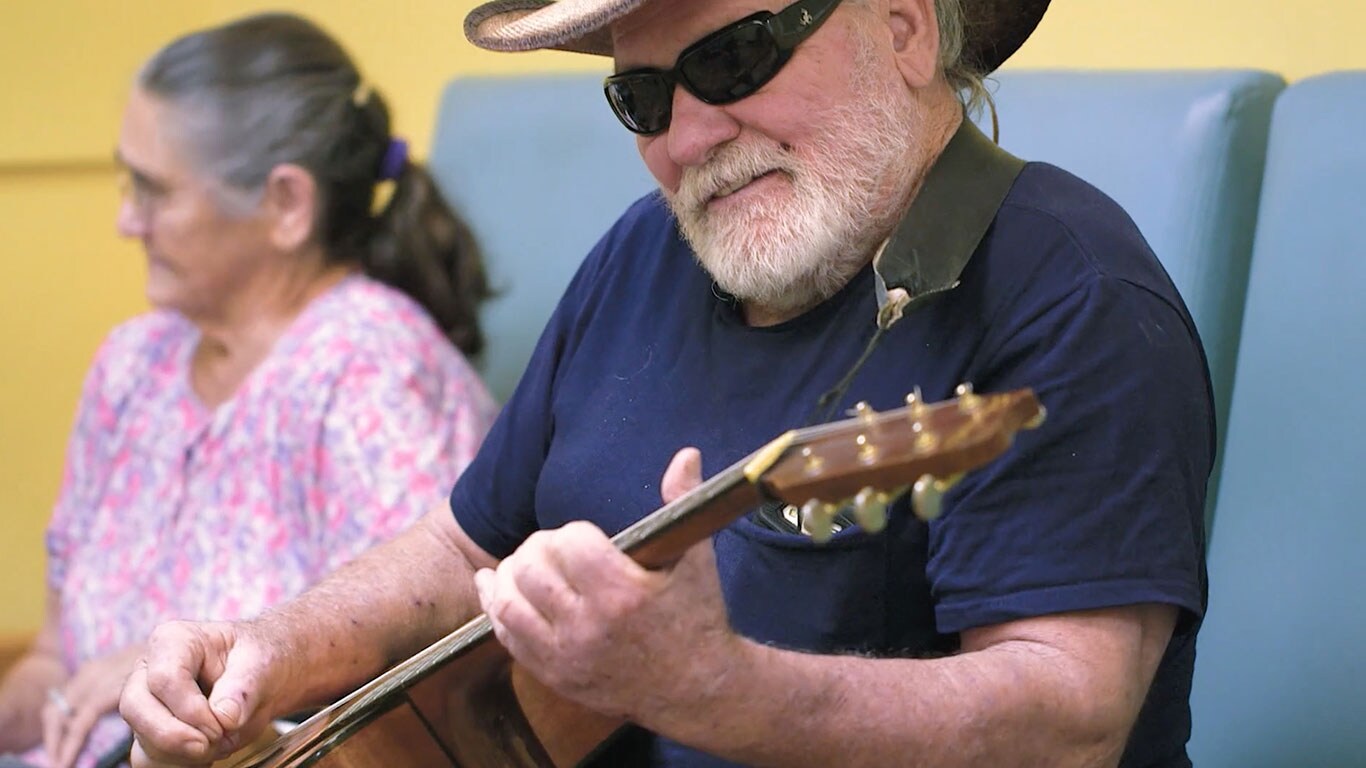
(264, 91)
(274, 89)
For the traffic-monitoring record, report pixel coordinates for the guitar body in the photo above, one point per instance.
(464, 702)
(489, 712)
(398, 738)
(478, 710)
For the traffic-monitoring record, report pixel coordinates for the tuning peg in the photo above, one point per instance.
(915, 402)
(925, 441)
(867, 451)
(818, 520)
(811, 463)
(968, 401)
(927, 495)
(864, 412)
(916, 410)
(870, 509)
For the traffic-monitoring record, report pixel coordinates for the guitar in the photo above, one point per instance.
(463, 702)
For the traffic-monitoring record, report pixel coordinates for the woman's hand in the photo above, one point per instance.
(73, 709)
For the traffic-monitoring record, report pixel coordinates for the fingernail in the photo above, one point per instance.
(199, 748)
(229, 711)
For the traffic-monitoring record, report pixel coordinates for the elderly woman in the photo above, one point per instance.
(299, 392)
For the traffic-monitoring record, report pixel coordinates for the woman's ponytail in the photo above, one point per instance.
(421, 247)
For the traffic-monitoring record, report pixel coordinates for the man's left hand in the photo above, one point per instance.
(590, 623)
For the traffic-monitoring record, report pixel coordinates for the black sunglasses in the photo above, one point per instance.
(723, 67)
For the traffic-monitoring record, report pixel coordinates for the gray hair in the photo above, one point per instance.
(276, 89)
(963, 75)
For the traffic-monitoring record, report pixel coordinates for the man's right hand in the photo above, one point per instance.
(174, 721)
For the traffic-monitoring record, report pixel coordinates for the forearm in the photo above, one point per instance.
(1013, 704)
(381, 608)
(22, 695)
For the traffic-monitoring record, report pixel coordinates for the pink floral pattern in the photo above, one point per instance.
(356, 423)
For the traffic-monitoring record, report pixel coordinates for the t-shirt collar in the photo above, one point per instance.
(931, 245)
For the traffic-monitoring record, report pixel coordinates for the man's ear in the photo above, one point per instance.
(915, 40)
(290, 204)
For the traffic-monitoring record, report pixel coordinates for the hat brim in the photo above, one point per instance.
(582, 26)
(993, 29)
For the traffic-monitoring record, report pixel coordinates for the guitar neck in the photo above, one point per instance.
(661, 538)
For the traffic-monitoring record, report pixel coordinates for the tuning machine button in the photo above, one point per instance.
(927, 495)
(870, 509)
(818, 520)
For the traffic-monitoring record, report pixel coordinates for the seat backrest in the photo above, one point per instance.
(1281, 676)
(1182, 152)
(540, 168)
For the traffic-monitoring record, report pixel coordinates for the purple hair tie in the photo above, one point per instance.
(395, 159)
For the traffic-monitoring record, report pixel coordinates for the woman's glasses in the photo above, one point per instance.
(723, 67)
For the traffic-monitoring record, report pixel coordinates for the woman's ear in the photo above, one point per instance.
(915, 40)
(290, 204)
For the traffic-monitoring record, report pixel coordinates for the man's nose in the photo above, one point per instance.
(696, 128)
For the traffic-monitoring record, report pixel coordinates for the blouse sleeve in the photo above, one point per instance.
(397, 434)
(86, 463)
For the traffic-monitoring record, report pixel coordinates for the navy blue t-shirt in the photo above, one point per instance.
(1101, 506)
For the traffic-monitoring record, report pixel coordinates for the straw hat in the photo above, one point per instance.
(994, 29)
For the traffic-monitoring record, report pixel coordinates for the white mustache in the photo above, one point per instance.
(733, 166)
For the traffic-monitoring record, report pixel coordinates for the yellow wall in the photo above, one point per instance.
(64, 65)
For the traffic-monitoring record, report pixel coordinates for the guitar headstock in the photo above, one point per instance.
(873, 458)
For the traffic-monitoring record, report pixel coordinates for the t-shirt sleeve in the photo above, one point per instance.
(495, 499)
(396, 435)
(1103, 504)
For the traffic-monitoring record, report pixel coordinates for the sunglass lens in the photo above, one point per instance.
(731, 66)
(642, 101)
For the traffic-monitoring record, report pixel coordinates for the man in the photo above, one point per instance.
(1048, 617)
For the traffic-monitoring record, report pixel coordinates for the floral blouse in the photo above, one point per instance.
(356, 423)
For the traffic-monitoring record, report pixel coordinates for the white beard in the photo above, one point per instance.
(789, 250)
